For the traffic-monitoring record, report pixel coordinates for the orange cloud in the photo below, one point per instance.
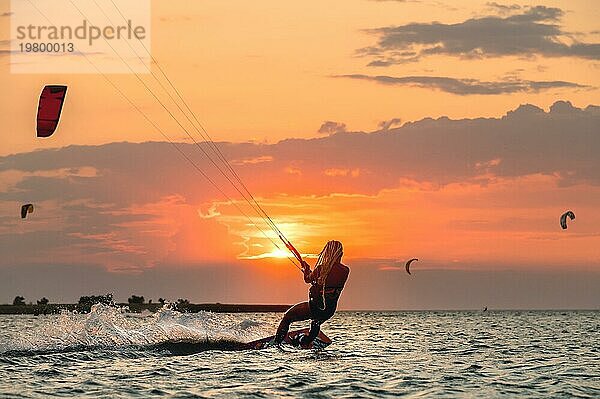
(508, 222)
(333, 172)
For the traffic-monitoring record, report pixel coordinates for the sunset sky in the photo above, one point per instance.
(456, 132)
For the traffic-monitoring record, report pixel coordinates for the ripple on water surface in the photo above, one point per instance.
(374, 354)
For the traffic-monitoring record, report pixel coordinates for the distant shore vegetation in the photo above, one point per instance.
(135, 303)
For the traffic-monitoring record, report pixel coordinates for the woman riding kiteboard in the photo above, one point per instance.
(327, 282)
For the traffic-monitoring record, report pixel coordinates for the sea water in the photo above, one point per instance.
(111, 353)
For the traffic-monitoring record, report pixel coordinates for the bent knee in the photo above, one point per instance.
(288, 316)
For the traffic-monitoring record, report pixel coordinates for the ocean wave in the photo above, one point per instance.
(113, 328)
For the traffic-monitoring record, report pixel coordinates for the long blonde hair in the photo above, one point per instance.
(329, 256)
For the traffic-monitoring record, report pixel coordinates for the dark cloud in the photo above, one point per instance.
(465, 87)
(534, 31)
(112, 201)
(386, 125)
(331, 127)
(503, 8)
(138, 167)
(563, 141)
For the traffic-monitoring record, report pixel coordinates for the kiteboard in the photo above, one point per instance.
(320, 342)
(191, 346)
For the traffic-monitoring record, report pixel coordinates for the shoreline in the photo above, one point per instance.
(138, 308)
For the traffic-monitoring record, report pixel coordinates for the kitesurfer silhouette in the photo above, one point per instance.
(327, 282)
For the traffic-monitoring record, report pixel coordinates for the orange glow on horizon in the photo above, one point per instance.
(450, 227)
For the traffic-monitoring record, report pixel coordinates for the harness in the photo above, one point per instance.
(333, 290)
(336, 291)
